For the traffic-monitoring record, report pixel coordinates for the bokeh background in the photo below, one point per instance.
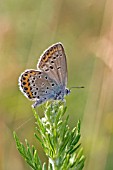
(85, 28)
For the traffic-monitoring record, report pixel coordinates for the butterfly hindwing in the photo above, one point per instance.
(37, 85)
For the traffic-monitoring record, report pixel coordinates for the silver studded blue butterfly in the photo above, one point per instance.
(49, 80)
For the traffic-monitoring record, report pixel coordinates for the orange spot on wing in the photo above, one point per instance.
(45, 59)
(28, 91)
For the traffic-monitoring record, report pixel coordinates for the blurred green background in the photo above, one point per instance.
(85, 28)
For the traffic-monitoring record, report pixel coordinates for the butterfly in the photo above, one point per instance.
(49, 81)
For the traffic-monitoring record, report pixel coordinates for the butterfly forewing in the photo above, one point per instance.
(37, 85)
(53, 63)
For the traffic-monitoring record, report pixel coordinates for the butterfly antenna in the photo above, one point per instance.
(78, 87)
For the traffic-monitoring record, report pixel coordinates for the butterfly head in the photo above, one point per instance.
(67, 91)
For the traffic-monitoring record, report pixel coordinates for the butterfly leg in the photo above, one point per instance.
(38, 102)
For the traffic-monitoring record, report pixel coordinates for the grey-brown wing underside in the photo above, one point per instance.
(53, 63)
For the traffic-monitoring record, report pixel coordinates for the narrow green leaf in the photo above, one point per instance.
(37, 160)
(64, 129)
(39, 123)
(29, 153)
(39, 139)
(64, 143)
(73, 150)
(76, 139)
(50, 143)
(63, 110)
